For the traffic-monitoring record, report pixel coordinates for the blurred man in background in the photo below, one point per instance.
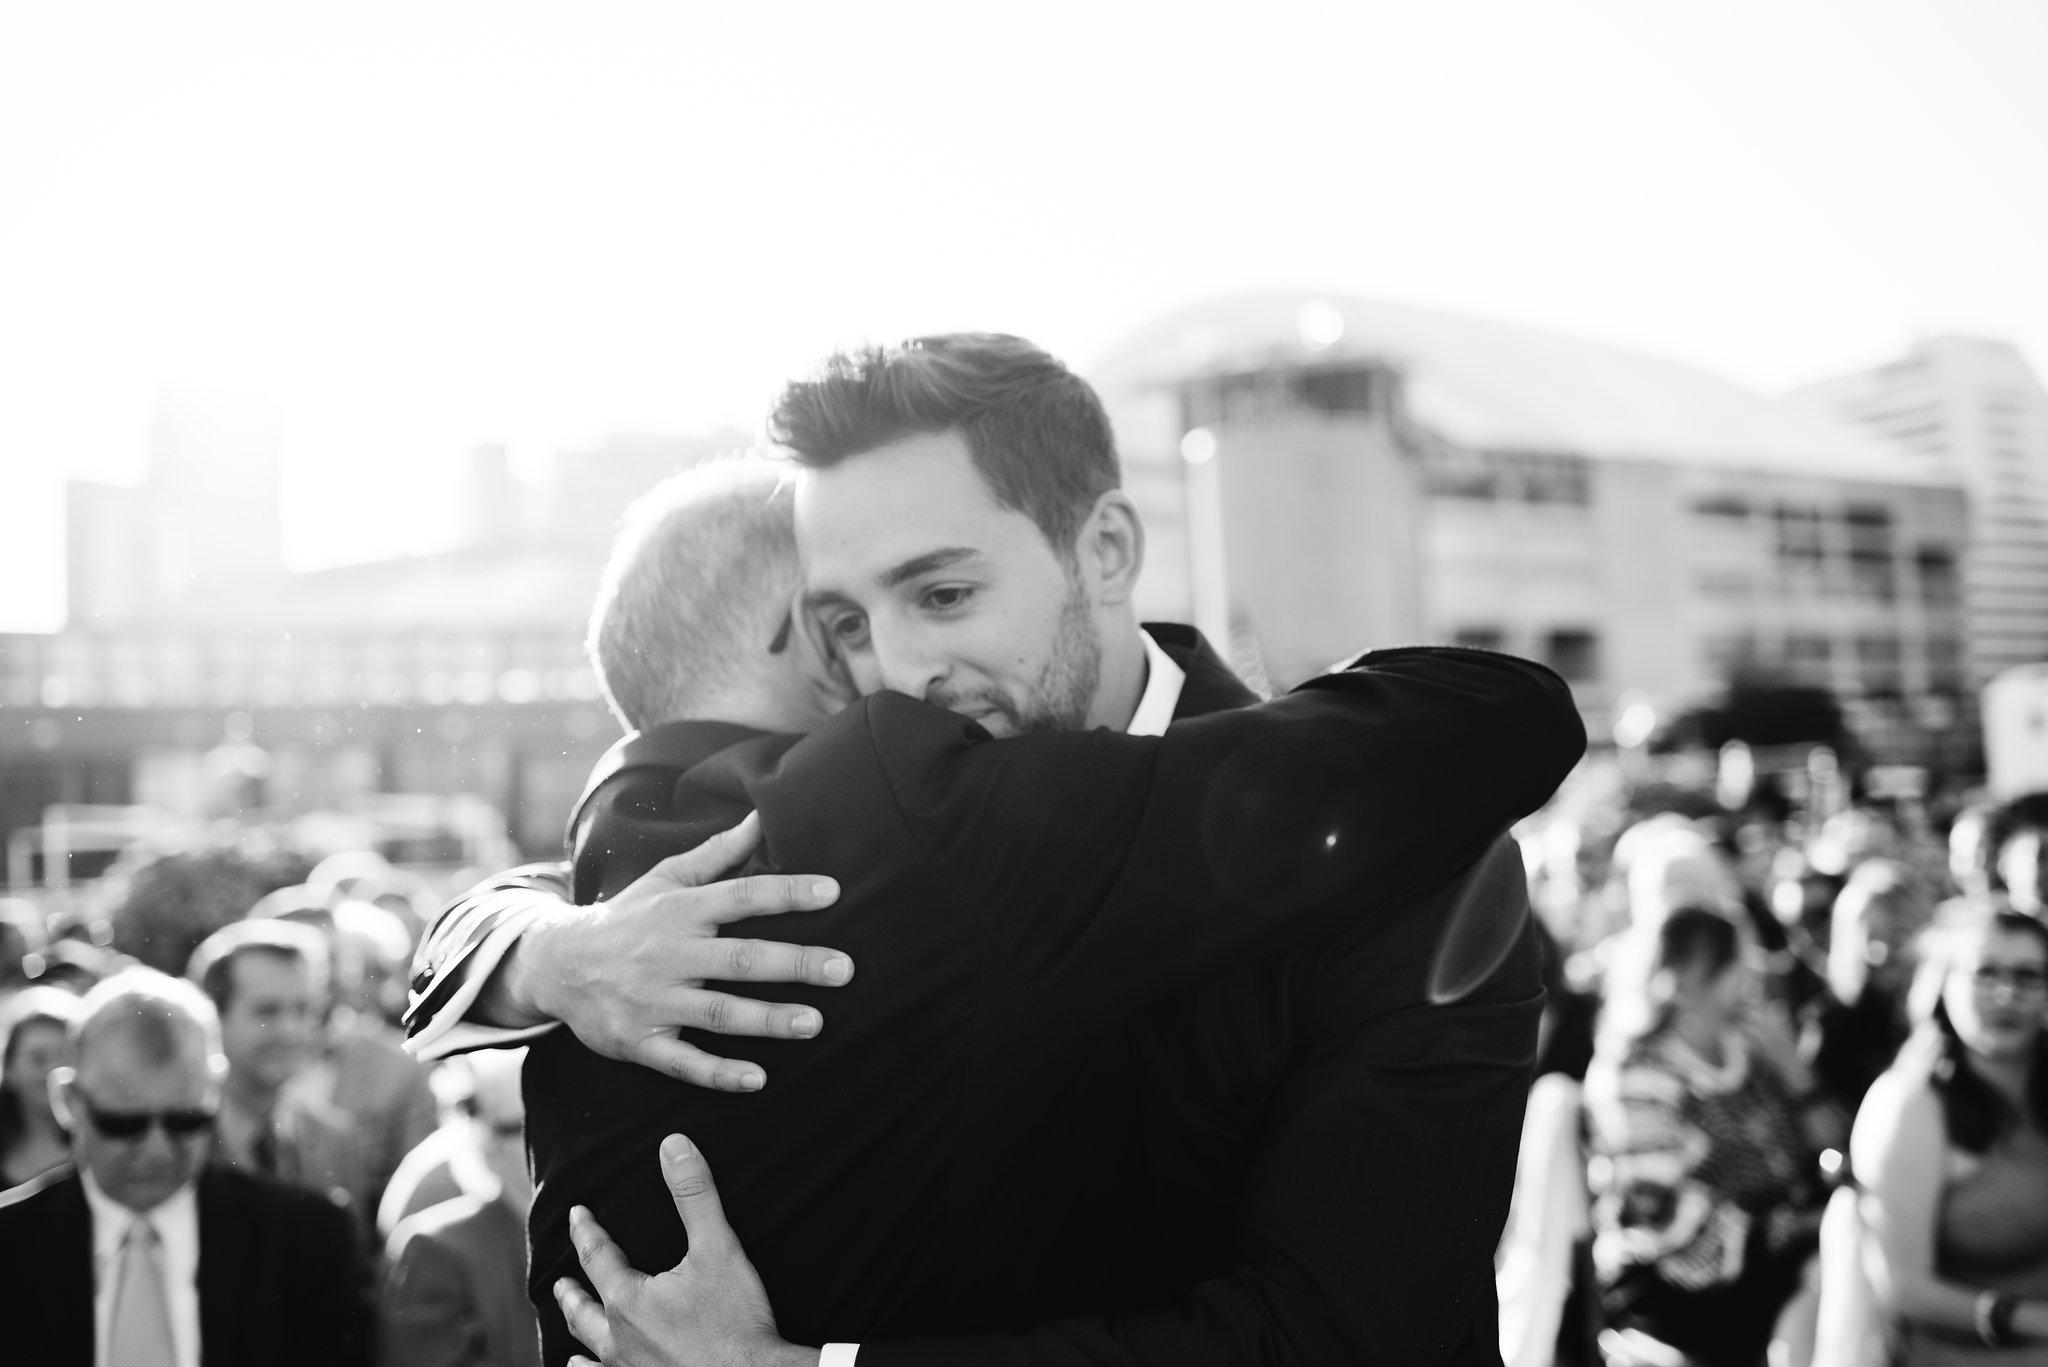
(455, 1289)
(357, 1065)
(144, 1254)
(263, 978)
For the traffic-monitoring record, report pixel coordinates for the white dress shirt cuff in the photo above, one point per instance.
(838, 1355)
(448, 1033)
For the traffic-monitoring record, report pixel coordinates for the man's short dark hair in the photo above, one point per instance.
(212, 965)
(1037, 432)
(2028, 812)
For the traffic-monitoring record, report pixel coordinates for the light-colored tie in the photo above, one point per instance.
(141, 1333)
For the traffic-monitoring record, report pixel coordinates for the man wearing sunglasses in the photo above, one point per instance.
(142, 1253)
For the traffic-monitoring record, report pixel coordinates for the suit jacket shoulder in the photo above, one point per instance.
(456, 1288)
(281, 1275)
(46, 1260)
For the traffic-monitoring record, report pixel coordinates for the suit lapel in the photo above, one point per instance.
(1212, 686)
(676, 745)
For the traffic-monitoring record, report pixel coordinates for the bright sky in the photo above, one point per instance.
(421, 225)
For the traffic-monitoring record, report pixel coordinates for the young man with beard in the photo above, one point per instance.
(1358, 1092)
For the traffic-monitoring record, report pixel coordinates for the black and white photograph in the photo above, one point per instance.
(1344, 683)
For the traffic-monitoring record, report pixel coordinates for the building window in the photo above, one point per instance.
(1574, 654)
(1800, 547)
(1945, 662)
(1726, 583)
(1509, 476)
(1877, 662)
(1809, 657)
(1480, 638)
(1871, 576)
(1722, 507)
(1939, 585)
(1733, 653)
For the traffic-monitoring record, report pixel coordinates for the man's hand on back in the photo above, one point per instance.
(626, 974)
(709, 1310)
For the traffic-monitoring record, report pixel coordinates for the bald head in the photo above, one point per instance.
(150, 1018)
(144, 1076)
(693, 617)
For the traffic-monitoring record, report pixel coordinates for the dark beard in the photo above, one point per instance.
(1064, 691)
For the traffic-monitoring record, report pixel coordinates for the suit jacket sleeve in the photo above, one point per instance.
(429, 1316)
(1254, 828)
(462, 946)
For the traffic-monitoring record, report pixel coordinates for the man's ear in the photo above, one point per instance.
(1111, 547)
(59, 1082)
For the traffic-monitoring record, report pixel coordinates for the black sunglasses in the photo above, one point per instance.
(180, 1124)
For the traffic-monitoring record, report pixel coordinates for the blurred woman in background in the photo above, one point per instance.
(1951, 1148)
(32, 1043)
(1707, 1205)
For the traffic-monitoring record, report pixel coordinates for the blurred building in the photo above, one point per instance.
(201, 539)
(1972, 409)
(1319, 474)
(385, 687)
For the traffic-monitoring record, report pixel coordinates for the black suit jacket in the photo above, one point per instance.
(973, 1141)
(1330, 1135)
(281, 1276)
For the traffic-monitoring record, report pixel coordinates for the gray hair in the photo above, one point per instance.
(702, 567)
(154, 1012)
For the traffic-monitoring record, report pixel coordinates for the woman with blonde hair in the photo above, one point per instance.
(1951, 1148)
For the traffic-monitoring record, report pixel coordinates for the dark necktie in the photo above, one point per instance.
(264, 1150)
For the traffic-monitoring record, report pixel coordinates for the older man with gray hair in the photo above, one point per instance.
(140, 1252)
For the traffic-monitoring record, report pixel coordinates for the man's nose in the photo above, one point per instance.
(904, 666)
(156, 1145)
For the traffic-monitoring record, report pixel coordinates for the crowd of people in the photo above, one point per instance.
(407, 1247)
(1190, 1027)
(1792, 1097)
(1794, 1091)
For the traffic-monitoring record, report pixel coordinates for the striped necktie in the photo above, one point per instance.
(141, 1332)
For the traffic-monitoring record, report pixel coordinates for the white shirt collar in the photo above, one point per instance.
(176, 1222)
(1163, 680)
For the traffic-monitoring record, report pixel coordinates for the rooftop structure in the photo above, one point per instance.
(1322, 473)
(1974, 411)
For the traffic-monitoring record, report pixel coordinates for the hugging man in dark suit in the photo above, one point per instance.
(141, 1254)
(994, 1135)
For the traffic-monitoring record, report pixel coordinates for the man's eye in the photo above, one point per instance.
(947, 597)
(851, 630)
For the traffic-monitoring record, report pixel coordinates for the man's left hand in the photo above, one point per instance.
(709, 1310)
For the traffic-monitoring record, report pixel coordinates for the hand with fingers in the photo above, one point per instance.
(709, 1310)
(626, 974)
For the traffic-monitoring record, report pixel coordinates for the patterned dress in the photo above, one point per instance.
(1705, 1201)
